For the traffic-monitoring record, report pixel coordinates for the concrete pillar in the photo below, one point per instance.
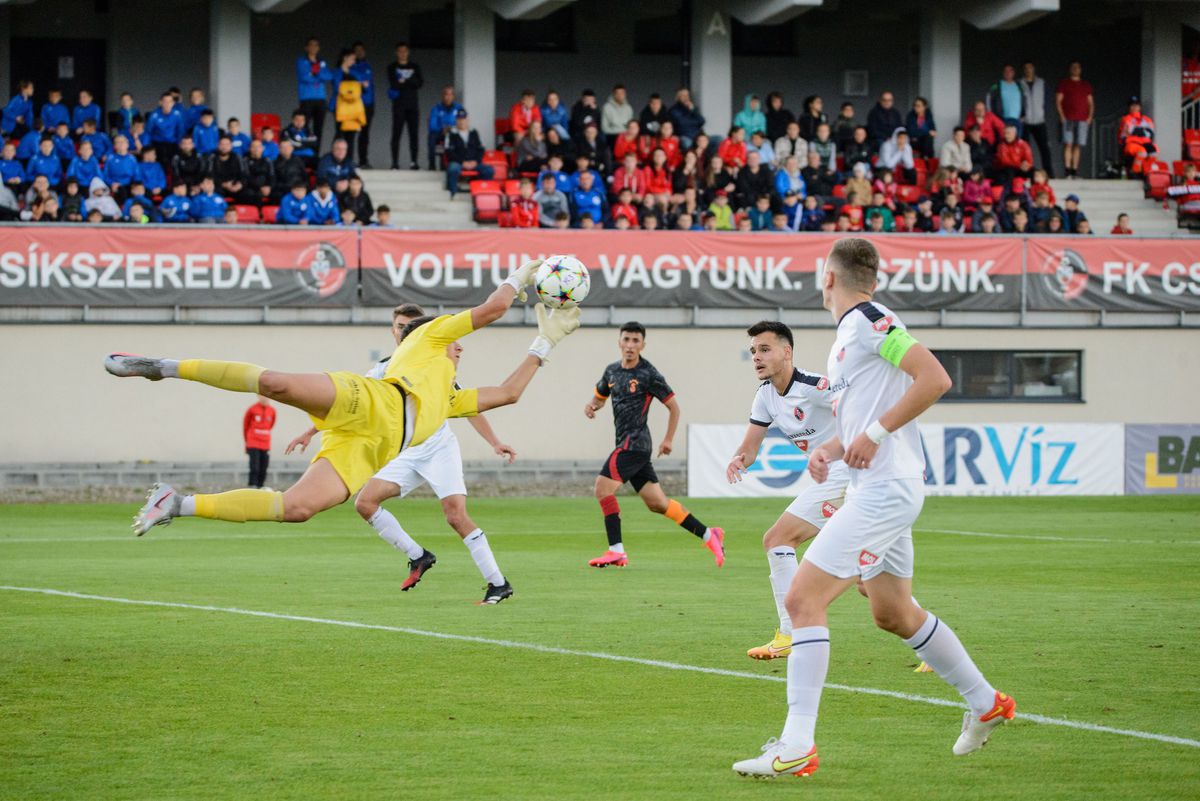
(712, 65)
(1162, 54)
(940, 70)
(229, 61)
(475, 65)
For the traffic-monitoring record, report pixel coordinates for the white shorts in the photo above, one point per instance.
(872, 532)
(437, 461)
(816, 503)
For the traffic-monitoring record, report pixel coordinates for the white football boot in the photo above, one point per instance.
(778, 759)
(127, 365)
(977, 729)
(162, 506)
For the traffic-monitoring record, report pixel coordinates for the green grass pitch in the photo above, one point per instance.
(1090, 615)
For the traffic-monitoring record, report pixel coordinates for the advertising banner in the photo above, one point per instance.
(1162, 459)
(110, 265)
(970, 459)
(1116, 274)
(642, 268)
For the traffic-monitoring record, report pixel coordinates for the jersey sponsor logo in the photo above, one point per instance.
(633, 385)
(799, 413)
(882, 324)
(866, 558)
(827, 510)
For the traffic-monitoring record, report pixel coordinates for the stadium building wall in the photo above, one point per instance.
(73, 412)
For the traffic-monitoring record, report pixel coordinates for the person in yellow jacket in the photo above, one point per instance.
(347, 103)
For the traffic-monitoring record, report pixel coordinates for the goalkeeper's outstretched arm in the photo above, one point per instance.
(502, 297)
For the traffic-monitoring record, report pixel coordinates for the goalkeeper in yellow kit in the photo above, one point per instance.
(366, 422)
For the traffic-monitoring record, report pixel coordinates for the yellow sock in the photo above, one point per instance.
(233, 376)
(238, 506)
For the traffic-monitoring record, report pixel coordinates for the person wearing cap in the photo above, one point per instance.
(464, 151)
(1135, 134)
(1072, 214)
(986, 208)
(721, 211)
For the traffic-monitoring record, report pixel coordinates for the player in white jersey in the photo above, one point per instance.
(799, 404)
(438, 462)
(882, 380)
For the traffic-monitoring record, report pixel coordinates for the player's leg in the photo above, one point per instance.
(780, 543)
(607, 484)
(395, 479)
(455, 509)
(645, 481)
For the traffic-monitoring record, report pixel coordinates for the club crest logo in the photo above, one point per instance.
(823, 382)
(321, 269)
(866, 558)
(827, 510)
(841, 355)
(633, 385)
(1065, 274)
(882, 324)
(799, 413)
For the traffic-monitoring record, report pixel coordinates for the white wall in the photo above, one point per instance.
(75, 412)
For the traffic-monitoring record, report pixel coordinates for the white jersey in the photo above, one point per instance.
(803, 413)
(379, 368)
(864, 385)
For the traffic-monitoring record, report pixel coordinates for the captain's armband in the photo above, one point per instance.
(895, 345)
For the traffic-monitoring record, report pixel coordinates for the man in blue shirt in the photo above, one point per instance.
(86, 110)
(18, 114)
(1005, 98)
(64, 145)
(362, 72)
(207, 205)
(240, 141)
(441, 120)
(30, 142)
(588, 200)
(195, 110)
(336, 167)
(101, 144)
(312, 73)
(323, 205)
(165, 128)
(55, 111)
(120, 169)
(85, 166)
(151, 173)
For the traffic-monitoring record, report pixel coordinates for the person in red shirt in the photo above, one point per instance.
(1076, 110)
(630, 176)
(991, 127)
(1122, 227)
(668, 143)
(524, 208)
(733, 150)
(1013, 157)
(628, 142)
(624, 208)
(523, 113)
(257, 423)
(659, 178)
(1135, 133)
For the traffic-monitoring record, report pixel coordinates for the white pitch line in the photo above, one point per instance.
(1051, 538)
(546, 649)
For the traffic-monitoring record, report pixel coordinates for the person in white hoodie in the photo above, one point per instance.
(897, 154)
(616, 114)
(101, 200)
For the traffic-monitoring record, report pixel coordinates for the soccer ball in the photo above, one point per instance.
(562, 282)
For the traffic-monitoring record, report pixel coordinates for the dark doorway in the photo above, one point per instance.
(66, 64)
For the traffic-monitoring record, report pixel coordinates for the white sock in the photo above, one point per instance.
(187, 506)
(389, 528)
(938, 646)
(707, 535)
(806, 669)
(782, 560)
(481, 552)
(170, 368)
(618, 548)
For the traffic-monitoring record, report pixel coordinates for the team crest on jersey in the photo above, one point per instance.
(866, 558)
(882, 324)
(799, 413)
(802, 444)
(827, 510)
(841, 355)
(823, 382)
(632, 385)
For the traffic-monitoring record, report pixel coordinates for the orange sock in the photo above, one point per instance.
(675, 512)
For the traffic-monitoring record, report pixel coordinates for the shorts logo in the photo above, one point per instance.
(882, 324)
(633, 385)
(867, 559)
(823, 382)
(799, 413)
(841, 355)
(827, 510)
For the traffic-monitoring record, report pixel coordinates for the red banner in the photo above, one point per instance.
(668, 268)
(186, 265)
(1116, 274)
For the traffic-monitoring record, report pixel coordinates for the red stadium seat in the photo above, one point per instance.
(512, 187)
(487, 207)
(908, 194)
(270, 213)
(261, 120)
(839, 191)
(1157, 181)
(247, 215)
(1192, 151)
(498, 161)
(487, 188)
(1191, 135)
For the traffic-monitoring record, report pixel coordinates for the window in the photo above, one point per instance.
(1002, 376)
(553, 33)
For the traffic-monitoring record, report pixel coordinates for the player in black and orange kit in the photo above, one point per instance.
(633, 384)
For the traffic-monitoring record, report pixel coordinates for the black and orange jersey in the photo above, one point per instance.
(632, 390)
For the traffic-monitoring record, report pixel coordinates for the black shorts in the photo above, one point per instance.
(633, 466)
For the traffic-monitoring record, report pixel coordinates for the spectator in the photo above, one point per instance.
(136, 212)
(733, 149)
(188, 166)
(617, 113)
(524, 209)
(687, 182)
(632, 177)
(625, 209)
(778, 118)
(1072, 214)
(464, 152)
(1005, 99)
(950, 204)
(1122, 227)
(1084, 226)
(751, 118)
(981, 151)
(1039, 215)
(976, 189)
(54, 110)
(1006, 217)
(350, 113)
(925, 222)
(703, 147)
(151, 173)
(721, 212)
(64, 143)
(336, 167)
(653, 116)
(879, 209)
(596, 153)
(165, 128)
(554, 167)
(441, 121)
(361, 71)
(562, 221)
(229, 173)
(844, 127)
(789, 179)
(1076, 108)
(206, 134)
(859, 182)
(1041, 184)
(312, 73)
(101, 200)
(991, 127)
(792, 144)
(858, 151)
(555, 116)
(945, 180)
(1135, 136)
(824, 146)
(585, 112)
(17, 116)
(1033, 91)
(43, 210)
(101, 144)
(71, 202)
(946, 223)
(689, 122)
(12, 173)
(46, 163)
(921, 128)
(238, 139)
(404, 82)
(956, 152)
(95, 217)
(86, 110)
(759, 215)
(659, 180)
(270, 146)
(289, 171)
(650, 222)
(897, 155)
(524, 113)
(882, 120)
(27, 145)
(195, 110)
(812, 116)
(987, 224)
(875, 223)
(754, 180)
(531, 150)
(259, 174)
(356, 201)
(668, 143)
(1054, 224)
(719, 176)
(383, 217)
(207, 206)
(122, 119)
(1013, 157)
(139, 142)
(588, 201)
(557, 146)
(853, 211)
(627, 142)
(886, 185)
(551, 203)
(323, 206)
(812, 216)
(137, 194)
(295, 207)
(120, 168)
(820, 180)
(1021, 222)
